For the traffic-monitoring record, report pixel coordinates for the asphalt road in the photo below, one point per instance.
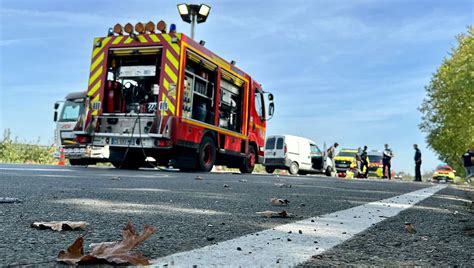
(191, 213)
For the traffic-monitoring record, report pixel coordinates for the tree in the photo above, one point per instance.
(448, 108)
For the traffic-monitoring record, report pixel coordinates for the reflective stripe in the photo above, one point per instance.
(97, 61)
(95, 75)
(142, 39)
(94, 88)
(174, 46)
(154, 38)
(128, 41)
(117, 40)
(171, 74)
(172, 59)
(98, 49)
(171, 107)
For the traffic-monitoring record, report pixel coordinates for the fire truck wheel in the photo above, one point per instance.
(249, 163)
(294, 168)
(207, 154)
(269, 170)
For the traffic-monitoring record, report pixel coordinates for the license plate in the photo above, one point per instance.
(343, 165)
(121, 141)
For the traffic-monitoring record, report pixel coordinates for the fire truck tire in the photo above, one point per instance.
(79, 162)
(269, 170)
(249, 162)
(294, 168)
(207, 154)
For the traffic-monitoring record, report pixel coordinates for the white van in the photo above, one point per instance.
(298, 155)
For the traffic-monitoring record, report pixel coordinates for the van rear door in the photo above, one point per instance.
(275, 147)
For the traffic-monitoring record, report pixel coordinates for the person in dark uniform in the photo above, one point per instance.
(417, 163)
(386, 159)
(468, 159)
(364, 162)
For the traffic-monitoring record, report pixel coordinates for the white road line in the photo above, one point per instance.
(278, 247)
(37, 169)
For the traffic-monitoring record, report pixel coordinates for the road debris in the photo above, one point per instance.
(110, 252)
(117, 178)
(60, 225)
(242, 180)
(317, 257)
(279, 201)
(226, 186)
(275, 214)
(409, 228)
(283, 185)
(199, 178)
(10, 200)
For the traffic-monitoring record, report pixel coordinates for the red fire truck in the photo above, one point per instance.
(163, 95)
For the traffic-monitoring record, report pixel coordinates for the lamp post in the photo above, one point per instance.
(193, 13)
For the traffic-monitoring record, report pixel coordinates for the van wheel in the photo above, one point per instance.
(249, 162)
(269, 170)
(207, 154)
(294, 168)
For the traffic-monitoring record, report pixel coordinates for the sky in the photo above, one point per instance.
(350, 71)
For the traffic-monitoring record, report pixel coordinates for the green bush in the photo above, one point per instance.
(13, 151)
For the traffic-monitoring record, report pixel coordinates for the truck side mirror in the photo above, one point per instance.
(271, 109)
(56, 105)
(55, 116)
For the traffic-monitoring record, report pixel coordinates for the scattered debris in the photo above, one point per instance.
(275, 214)
(210, 238)
(199, 178)
(302, 205)
(110, 252)
(288, 239)
(283, 185)
(409, 228)
(279, 202)
(225, 186)
(242, 180)
(300, 232)
(60, 225)
(318, 257)
(312, 220)
(239, 248)
(115, 178)
(10, 200)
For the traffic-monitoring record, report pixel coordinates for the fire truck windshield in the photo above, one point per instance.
(71, 111)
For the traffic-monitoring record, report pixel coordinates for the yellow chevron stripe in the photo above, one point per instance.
(166, 84)
(171, 107)
(94, 88)
(95, 75)
(171, 74)
(117, 40)
(154, 38)
(128, 41)
(172, 59)
(98, 49)
(97, 61)
(142, 39)
(175, 47)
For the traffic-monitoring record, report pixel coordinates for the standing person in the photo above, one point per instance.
(364, 162)
(331, 152)
(417, 163)
(386, 159)
(358, 159)
(468, 159)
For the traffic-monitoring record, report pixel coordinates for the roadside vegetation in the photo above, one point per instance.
(14, 151)
(448, 107)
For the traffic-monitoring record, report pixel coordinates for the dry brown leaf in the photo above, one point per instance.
(409, 228)
(279, 201)
(274, 214)
(111, 252)
(60, 225)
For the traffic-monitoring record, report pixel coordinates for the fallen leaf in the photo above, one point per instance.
(279, 202)
(60, 225)
(110, 252)
(409, 228)
(275, 214)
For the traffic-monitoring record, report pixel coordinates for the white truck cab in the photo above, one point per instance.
(66, 115)
(296, 154)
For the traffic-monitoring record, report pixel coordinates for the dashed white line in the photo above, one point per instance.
(294, 243)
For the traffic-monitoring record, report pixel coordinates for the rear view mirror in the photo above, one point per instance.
(270, 97)
(55, 116)
(56, 105)
(271, 109)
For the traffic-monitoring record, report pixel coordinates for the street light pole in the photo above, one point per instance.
(194, 14)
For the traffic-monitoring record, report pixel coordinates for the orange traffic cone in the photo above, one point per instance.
(62, 158)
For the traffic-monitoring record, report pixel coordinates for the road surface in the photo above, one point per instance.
(213, 220)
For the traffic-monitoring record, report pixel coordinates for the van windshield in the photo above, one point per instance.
(270, 144)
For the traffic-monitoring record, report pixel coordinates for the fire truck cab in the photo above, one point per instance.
(168, 97)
